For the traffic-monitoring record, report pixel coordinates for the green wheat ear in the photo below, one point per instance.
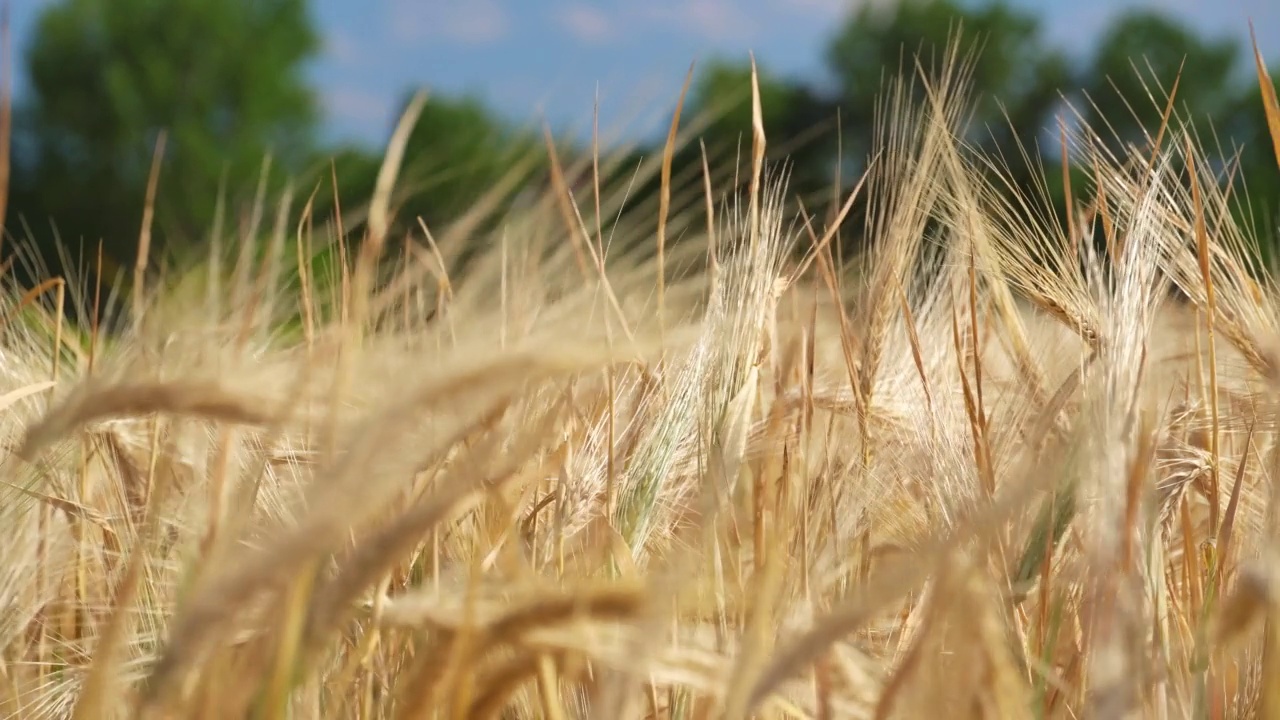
(1054, 518)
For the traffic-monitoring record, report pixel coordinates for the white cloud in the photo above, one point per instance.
(832, 9)
(367, 111)
(468, 22)
(342, 48)
(587, 23)
(714, 20)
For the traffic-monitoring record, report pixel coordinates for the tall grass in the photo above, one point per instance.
(989, 467)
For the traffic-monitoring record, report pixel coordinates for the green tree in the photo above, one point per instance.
(1130, 76)
(222, 80)
(1257, 180)
(1015, 75)
(1133, 69)
(457, 151)
(796, 120)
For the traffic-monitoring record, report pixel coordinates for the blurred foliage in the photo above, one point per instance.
(1014, 74)
(1020, 86)
(223, 81)
(456, 152)
(1135, 65)
(794, 117)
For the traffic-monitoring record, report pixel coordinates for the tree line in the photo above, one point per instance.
(223, 82)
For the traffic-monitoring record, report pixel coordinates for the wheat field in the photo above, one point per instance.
(986, 466)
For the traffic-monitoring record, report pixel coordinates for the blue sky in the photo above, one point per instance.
(528, 58)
